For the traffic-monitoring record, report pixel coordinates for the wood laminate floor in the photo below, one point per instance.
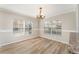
(35, 46)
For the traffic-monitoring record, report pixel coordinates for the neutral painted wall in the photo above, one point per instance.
(6, 27)
(68, 25)
(33, 9)
(76, 45)
(78, 19)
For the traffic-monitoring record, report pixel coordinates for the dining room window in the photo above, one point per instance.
(47, 27)
(22, 27)
(28, 27)
(18, 26)
(56, 27)
(53, 27)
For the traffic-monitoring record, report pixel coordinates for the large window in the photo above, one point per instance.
(22, 27)
(56, 27)
(18, 26)
(47, 27)
(28, 27)
(53, 27)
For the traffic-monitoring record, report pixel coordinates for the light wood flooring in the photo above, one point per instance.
(36, 46)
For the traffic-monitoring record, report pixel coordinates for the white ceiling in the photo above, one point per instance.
(32, 9)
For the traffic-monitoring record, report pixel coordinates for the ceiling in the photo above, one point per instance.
(32, 9)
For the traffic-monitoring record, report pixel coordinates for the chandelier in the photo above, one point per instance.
(40, 16)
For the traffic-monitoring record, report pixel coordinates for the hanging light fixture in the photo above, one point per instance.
(40, 16)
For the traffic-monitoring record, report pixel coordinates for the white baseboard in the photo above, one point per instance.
(56, 40)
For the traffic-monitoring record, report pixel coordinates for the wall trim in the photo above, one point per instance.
(56, 40)
(69, 31)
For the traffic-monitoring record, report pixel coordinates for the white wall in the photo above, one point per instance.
(68, 25)
(32, 9)
(7, 17)
(77, 29)
(6, 27)
(78, 17)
